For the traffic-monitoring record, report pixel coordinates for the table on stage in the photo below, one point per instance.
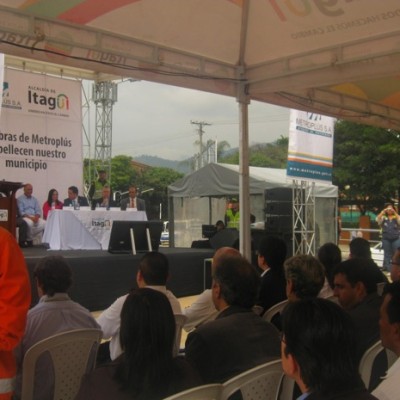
(70, 229)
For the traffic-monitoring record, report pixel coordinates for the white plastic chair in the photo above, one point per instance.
(275, 309)
(259, 383)
(180, 320)
(367, 361)
(205, 392)
(72, 353)
(286, 388)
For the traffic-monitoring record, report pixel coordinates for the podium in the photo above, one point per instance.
(8, 205)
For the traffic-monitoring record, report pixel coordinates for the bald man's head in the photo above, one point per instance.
(224, 252)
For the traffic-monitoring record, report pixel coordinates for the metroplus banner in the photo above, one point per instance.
(310, 146)
(41, 132)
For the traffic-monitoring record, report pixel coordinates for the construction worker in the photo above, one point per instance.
(232, 216)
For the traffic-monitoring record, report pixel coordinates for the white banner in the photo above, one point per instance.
(310, 146)
(41, 132)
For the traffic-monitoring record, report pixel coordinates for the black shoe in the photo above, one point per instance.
(23, 245)
(29, 243)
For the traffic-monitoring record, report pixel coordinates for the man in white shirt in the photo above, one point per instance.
(389, 325)
(153, 273)
(30, 211)
(203, 309)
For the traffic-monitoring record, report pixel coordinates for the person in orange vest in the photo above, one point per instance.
(15, 298)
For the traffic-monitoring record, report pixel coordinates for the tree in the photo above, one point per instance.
(158, 179)
(122, 173)
(366, 162)
(267, 155)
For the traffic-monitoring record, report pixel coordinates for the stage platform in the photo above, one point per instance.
(100, 277)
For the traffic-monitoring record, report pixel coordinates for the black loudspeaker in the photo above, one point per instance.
(279, 208)
(279, 223)
(278, 194)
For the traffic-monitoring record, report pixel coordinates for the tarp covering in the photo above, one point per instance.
(216, 180)
(336, 57)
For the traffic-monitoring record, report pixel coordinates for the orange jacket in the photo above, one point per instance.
(15, 298)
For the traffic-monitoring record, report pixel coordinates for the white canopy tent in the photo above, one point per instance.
(337, 57)
(200, 198)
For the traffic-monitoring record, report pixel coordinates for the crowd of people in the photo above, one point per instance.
(334, 313)
(31, 218)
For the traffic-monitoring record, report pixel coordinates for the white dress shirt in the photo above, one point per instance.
(201, 311)
(110, 319)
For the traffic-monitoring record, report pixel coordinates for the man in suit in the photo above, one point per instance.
(238, 339)
(318, 350)
(105, 200)
(132, 201)
(355, 286)
(203, 309)
(74, 199)
(271, 256)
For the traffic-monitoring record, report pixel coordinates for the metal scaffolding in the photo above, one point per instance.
(303, 217)
(104, 96)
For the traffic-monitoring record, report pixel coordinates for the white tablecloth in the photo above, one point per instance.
(70, 229)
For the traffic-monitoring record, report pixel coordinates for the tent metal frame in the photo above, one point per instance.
(303, 193)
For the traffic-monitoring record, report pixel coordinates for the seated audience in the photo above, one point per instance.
(146, 369)
(237, 339)
(356, 290)
(305, 277)
(52, 203)
(153, 273)
(74, 199)
(29, 210)
(271, 256)
(203, 309)
(360, 248)
(395, 269)
(329, 255)
(390, 335)
(55, 313)
(318, 351)
(105, 200)
(15, 298)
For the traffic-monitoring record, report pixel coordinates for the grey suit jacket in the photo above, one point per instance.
(233, 343)
(140, 204)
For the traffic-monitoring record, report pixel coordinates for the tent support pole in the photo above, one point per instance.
(244, 192)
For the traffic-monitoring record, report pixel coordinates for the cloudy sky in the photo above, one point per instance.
(154, 119)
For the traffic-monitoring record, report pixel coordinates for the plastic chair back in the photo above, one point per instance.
(275, 309)
(368, 359)
(72, 353)
(259, 383)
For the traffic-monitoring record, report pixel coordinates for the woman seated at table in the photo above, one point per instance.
(146, 369)
(52, 203)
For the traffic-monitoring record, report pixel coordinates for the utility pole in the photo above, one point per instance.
(200, 132)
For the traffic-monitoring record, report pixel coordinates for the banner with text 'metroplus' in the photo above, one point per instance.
(310, 146)
(41, 132)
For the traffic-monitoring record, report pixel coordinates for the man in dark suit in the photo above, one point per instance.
(271, 256)
(105, 200)
(132, 201)
(355, 286)
(319, 351)
(73, 198)
(238, 339)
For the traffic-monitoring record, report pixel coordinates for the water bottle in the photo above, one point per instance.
(76, 205)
